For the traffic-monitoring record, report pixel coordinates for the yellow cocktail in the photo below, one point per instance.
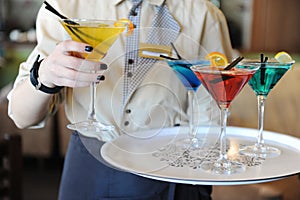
(100, 34)
(97, 33)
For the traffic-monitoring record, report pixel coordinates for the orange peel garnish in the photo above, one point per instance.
(217, 59)
(125, 23)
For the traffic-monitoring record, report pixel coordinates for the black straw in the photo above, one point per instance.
(51, 9)
(263, 61)
(234, 63)
(231, 65)
(174, 48)
(168, 58)
(72, 29)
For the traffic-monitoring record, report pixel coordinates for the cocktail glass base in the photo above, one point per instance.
(262, 151)
(90, 126)
(223, 167)
(191, 143)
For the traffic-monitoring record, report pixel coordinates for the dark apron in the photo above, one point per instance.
(86, 176)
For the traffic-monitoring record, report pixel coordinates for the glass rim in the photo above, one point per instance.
(193, 61)
(219, 70)
(272, 62)
(88, 19)
(75, 22)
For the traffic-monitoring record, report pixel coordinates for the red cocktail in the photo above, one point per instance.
(223, 86)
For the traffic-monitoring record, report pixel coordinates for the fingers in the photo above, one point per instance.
(79, 64)
(73, 46)
(66, 66)
(72, 78)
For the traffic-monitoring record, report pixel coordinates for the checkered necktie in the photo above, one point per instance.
(164, 30)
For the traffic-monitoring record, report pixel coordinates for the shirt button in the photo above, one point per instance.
(126, 123)
(129, 74)
(128, 111)
(130, 61)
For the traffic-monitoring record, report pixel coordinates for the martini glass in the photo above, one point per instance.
(191, 83)
(262, 83)
(223, 85)
(100, 34)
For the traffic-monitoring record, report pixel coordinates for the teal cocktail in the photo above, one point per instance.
(262, 83)
(267, 77)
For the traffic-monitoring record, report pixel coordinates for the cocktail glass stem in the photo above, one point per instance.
(91, 124)
(92, 113)
(224, 114)
(192, 130)
(261, 110)
(223, 164)
(260, 149)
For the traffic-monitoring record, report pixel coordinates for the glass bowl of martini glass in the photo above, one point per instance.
(223, 85)
(182, 69)
(262, 82)
(100, 34)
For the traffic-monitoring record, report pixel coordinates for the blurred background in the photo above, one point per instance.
(256, 26)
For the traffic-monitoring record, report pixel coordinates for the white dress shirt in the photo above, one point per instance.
(161, 99)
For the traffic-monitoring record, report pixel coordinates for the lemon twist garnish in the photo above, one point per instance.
(217, 59)
(283, 57)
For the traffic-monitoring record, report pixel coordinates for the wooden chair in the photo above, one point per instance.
(11, 167)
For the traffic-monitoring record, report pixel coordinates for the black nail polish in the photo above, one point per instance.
(101, 78)
(88, 48)
(103, 66)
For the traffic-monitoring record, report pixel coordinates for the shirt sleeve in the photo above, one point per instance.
(47, 38)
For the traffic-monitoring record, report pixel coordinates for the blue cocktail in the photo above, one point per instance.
(191, 83)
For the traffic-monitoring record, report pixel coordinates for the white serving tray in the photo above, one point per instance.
(157, 154)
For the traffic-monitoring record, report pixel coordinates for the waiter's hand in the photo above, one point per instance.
(66, 66)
